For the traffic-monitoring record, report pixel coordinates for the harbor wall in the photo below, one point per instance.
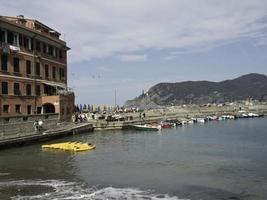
(20, 126)
(176, 113)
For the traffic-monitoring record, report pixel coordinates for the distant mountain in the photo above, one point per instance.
(202, 92)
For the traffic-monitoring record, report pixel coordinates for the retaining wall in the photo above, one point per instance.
(12, 127)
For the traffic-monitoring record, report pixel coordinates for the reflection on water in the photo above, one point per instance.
(217, 160)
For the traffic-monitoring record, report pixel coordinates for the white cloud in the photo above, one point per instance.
(100, 28)
(132, 58)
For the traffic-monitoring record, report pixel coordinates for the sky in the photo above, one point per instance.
(126, 46)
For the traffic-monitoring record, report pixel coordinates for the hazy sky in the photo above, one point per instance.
(130, 45)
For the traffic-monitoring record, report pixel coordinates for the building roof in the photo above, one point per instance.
(51, 33)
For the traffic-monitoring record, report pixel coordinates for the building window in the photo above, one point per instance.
(39, 110)
(16, 89)
(26, 42)
(2, 36)
(4, 88)
(37, 90)
(46, 71)
(44, 48)
(37, 69)
(16, 65)
(17, 108)
(56, 52)
(54, 72)
(29, 109)
(4, 62)
(61, 73)
(28, 67)
(20, 40)
(60, 53)
(38, 46)
(31, 43)
(16, 40)
(28, 89)
(50, 50)
(6, 108)
(10, 37)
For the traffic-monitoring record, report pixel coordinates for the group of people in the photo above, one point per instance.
(38, 125)
(79, 117)
(142, 116)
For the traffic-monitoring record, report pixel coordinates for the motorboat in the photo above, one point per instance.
(147, 127)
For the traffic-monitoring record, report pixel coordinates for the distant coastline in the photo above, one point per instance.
(250, 87)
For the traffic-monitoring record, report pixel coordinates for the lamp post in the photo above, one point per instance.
(115, 98)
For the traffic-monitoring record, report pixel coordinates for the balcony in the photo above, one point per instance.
(8, 48)
(14, 48)
(67, 91)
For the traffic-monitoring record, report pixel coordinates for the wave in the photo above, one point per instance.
(59, 190)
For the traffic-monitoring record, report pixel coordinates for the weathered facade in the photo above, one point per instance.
(33, 70)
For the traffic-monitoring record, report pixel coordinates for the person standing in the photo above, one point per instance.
(40, 125)
(35, 126)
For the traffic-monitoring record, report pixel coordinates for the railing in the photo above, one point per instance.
(65, 92)
(7, 48)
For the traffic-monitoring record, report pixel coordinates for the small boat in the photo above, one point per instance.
(166, 124)
(70, 146)
(201, 120)
(170, 123)
(147, 127)
(212, 118)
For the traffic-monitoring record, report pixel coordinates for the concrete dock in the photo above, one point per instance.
(61, 131)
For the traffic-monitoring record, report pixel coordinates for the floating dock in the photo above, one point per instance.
(70, 146)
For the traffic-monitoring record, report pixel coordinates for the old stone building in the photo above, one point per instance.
(33, 69)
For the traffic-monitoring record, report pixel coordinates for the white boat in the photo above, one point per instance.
(201, 120)
(147, 127)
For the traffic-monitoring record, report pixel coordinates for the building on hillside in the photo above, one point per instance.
(33, 69)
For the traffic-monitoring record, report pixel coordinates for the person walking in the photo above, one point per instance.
(40, 125)
(144, 115)
(35, 126)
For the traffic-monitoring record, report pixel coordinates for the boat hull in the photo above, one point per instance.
(146, 128)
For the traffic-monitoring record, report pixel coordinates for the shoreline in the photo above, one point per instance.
(151, 116)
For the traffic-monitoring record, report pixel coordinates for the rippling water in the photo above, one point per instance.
(216, 160)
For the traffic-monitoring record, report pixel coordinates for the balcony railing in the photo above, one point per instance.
(7, 48)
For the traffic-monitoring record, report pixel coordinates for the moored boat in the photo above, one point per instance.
(147, 127)
(167, 124)
(201, 120)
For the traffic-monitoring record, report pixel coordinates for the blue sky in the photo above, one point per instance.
(128, 45)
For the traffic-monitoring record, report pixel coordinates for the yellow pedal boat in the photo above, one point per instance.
(70, 146)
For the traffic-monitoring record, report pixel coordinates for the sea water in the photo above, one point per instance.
(215, 160)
